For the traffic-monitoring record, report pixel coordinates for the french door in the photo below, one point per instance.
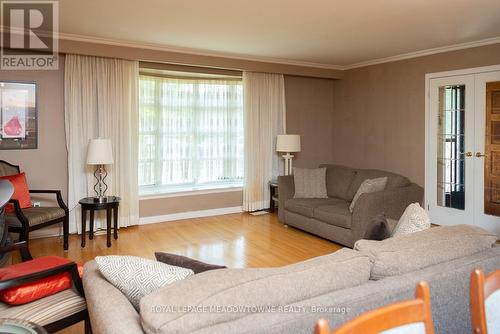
(463, 149)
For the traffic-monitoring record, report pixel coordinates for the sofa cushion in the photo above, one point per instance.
(393, 180)
(399, 255)
(310, 182)
(338, 180)
(186, 262)
(236, 293)
(336, 213)
(305, 206)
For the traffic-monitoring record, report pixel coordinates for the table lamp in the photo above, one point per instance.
(100, 153)
(288, 144)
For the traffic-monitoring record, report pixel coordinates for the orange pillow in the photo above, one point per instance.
(21, 191)
(29, 292)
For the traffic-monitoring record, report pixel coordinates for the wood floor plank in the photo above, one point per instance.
(235, 240)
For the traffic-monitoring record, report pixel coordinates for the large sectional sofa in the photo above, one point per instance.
(330, 217)
(338, 287)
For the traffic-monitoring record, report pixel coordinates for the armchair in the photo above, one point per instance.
(54, 312)
(23, 221)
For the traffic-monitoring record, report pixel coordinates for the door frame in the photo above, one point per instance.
(428, 76)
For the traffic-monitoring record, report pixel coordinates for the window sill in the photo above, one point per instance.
(190, 192)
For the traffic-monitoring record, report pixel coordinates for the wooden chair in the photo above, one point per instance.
(23, 221)
(481, 288)
(417, 310)
(53, 312)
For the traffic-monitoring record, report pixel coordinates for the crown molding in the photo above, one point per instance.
(426, 52)
(196, 52)
(199, 52)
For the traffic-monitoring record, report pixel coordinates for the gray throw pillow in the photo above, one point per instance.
(186, 262)
(368, 186)
(378, 229)
(310, 183)
(136, 277)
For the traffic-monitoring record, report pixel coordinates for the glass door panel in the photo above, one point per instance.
(450, 160)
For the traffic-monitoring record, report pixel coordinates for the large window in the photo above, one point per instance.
(190, 133)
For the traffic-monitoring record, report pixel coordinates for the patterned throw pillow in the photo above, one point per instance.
(136, 277)
(310, 183)
(414, 219)
(368, 186)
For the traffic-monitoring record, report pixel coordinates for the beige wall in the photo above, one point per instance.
(310, 113)
(47, 166)
(379, 111)
(170, 205)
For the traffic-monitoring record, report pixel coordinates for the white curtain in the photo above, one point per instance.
(190, 132)
(264, 101)
(101, 101)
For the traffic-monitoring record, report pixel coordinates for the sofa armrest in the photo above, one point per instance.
(391, 202)
(109, 310)
(286, 190)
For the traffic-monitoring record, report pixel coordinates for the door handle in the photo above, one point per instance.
(479, 155)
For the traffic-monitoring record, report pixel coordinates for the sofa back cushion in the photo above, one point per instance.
(393, 180)
(338, 180)
(235, 293)
(410, 252)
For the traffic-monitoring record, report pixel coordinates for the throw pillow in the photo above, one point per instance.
(414, 219)
(368, 186)
(186, 262)
(378, 229)
(44, 287)
(310, 183)
(21, 191)
(136, 277)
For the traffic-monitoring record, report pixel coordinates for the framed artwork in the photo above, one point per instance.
(18, 115)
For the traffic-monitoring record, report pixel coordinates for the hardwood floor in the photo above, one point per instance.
(236, 240)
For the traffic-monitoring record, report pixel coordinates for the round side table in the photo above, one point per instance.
(92, 204)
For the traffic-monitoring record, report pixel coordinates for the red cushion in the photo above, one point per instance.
(21, 191)
(29, 292)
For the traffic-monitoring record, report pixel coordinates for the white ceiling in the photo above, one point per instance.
(329, 32)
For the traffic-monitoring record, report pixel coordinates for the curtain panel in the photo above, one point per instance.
(101, 101)
(264, 101)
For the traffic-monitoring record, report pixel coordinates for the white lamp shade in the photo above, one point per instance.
(99, 152)
(288, 143)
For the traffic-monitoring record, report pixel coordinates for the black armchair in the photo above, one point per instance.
(23, 221)
(53, 312)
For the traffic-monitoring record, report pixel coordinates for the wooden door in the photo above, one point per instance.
(492, 150)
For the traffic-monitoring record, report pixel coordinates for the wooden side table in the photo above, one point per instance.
(92, 204)
(273, 188)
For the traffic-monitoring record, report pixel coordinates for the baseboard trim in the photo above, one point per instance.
(189, 215)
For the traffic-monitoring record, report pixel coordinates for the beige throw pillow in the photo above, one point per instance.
(414, 219)
(368, 186)
(310, 183)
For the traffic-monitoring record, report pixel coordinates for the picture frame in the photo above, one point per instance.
(18, 115)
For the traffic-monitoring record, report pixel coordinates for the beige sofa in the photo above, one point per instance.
(330, 217)
(337, 286)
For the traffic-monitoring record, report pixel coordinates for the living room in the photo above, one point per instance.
(263, 139)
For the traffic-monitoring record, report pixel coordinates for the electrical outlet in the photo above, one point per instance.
(37, 204)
